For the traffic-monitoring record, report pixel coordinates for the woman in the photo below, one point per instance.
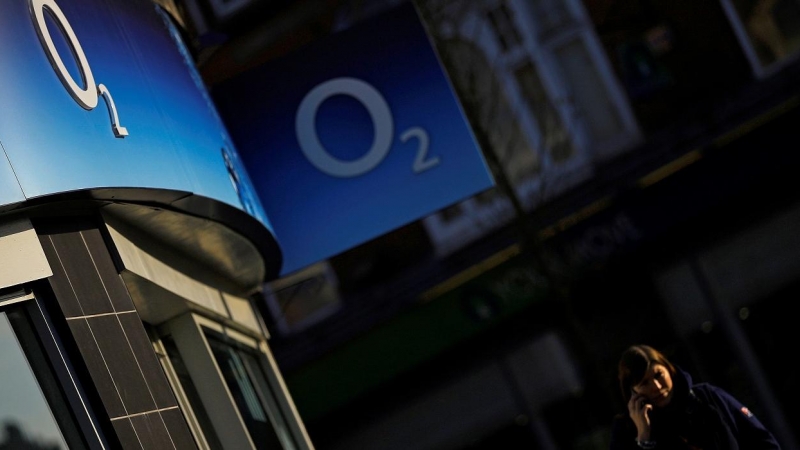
(667, 411)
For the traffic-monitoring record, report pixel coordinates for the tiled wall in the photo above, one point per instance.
(112, 340)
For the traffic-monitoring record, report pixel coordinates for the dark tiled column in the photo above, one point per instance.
(112, 340)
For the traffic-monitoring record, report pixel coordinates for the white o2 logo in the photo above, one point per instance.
(382, 122)
(86, 97)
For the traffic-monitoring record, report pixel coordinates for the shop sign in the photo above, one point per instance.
(352, 136)
(61, 130)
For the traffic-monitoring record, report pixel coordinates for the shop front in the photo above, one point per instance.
(133, 250)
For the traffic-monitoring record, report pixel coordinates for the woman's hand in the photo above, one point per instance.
(639, 410)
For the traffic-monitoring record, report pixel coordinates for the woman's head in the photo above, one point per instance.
(645, 371)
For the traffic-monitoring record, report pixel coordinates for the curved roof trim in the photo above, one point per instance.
(221, 237)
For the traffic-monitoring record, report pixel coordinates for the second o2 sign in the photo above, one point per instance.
(352, 136)
(382, 121)
(88, 96)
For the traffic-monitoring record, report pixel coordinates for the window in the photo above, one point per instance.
(228, 386)
(555, 137)
(303, 298)
(503, 24)
(248, 385)
(768, 30)
(39, 404)
(545, 98)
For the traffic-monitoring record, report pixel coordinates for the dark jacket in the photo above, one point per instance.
(699, 416)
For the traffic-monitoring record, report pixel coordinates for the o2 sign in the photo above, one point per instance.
(86, 97)
(382, 121)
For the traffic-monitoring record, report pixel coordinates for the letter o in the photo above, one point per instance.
(378, 110)
(87, 98)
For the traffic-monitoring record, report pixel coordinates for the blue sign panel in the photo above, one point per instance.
(10, 191)
(99, 94)
(352, 137)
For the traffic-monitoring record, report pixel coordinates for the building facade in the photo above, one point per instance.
(134, 252)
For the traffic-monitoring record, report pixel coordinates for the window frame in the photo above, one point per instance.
(760, 70)
(264, 390)
(84, 426)
(321, 274)
(189, 332)
(554, 176)
(186, 405)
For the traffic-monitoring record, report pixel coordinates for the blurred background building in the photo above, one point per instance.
(646, 191)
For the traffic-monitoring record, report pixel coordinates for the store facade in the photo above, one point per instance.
(134, 250)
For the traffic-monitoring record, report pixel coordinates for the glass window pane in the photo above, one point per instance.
(550, 16)
(25, 417)
(590, 96)
(503, 24)
(244, 394)
(555, 136)
(267, 397)
(773, 27)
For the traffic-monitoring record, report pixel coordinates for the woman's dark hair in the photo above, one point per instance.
(634, 364)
